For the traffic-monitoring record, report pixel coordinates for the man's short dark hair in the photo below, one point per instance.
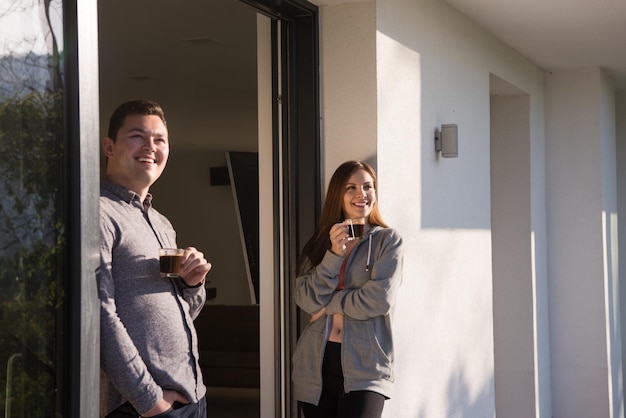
(133, 107)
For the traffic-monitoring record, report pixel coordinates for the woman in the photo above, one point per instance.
(343, 364)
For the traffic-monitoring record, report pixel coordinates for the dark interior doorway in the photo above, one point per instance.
(198, 59)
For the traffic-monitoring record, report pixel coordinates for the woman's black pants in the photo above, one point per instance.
(334, 402)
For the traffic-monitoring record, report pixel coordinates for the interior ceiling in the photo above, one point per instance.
(196, 58)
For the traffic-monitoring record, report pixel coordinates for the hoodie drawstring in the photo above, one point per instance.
(369, 252)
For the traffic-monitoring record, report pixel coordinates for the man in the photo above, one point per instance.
(149, 347)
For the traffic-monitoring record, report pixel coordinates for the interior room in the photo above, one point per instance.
(198, 60)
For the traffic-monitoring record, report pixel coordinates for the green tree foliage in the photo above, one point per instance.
(31, 249)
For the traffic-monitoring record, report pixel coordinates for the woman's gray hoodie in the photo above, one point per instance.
(372, 278)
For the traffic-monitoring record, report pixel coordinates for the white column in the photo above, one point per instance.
(620, 134)
(581, 213)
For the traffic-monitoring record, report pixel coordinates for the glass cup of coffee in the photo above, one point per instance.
(170, 260)
(356, 228)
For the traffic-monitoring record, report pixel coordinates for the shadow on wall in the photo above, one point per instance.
(462, 402)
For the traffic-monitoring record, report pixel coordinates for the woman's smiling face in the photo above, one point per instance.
(359, 196)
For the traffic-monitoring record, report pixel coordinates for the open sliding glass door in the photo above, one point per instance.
(289, 158)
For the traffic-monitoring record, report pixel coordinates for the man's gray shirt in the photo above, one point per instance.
(148, 339)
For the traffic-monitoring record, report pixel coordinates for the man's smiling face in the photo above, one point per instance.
(139, 153)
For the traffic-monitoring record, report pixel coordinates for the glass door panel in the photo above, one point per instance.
(32, 225)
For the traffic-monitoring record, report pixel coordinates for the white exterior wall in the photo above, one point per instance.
(432, 66)
(348, 81)
(620, 135)
(445, 318)
(582, 229)
(512, 255)
(610, 249)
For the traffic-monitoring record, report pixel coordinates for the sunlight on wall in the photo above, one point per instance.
(444, 322)
(536, 365)
(611, 294)
(399, 133)
(443, 318)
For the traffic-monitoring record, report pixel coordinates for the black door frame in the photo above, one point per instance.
(81, 85)
(295, 28)
(298, 22)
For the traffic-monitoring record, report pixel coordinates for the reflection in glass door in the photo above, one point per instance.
(32, 225)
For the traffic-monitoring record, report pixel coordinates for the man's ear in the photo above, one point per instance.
(107, 146)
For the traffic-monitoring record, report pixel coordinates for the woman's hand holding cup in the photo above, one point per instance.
(339, 237)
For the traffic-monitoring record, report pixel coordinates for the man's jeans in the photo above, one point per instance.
(178, 410)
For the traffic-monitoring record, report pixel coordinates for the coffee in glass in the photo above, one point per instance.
(356, 228)
(170, 260)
